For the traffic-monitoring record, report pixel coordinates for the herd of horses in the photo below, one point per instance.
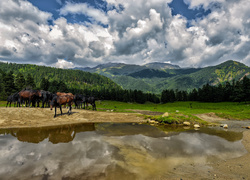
(30, 97)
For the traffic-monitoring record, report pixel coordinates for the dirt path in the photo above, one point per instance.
(210, 117)
(39, 117)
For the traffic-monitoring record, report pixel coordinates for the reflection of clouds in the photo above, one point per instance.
(91, 155)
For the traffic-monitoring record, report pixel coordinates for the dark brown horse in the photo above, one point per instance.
(58, 101)
(29, 95)
(64, 94)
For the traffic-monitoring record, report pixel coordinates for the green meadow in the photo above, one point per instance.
(182, 111)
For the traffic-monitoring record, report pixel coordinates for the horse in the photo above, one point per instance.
(91, 100)
(64, 94)
(13, 98)
(46, 98)
(58, 101)
(79, 99)
(30, 96)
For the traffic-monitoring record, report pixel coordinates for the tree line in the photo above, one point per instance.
(236, 91)
(11, 83)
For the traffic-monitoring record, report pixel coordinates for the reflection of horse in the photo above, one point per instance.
(58, 101)
(29, 95)
(57, 134)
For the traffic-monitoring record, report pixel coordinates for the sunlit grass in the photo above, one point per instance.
(228, 110)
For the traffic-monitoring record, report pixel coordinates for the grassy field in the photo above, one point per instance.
(178, 111)
(182, 111)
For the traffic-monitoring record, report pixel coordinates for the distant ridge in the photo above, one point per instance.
(155, 77)
(158, 65)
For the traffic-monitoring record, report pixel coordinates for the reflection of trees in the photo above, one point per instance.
(57, 134)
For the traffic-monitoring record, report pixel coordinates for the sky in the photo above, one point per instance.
(85, 33)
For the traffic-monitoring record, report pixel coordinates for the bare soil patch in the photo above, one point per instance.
(145, 112)
(41, 117)
(210, 117)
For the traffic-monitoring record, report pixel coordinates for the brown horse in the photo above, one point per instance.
(64, 94)
(29, 95)
(58, 101)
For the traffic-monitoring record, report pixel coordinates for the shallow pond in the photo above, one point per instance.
(113, 151)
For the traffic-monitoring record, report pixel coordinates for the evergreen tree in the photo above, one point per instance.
(20, 81)
(62, 87)
(228, 92)
(238, 92)
(193, 96)
(30, 81)
(9, 84)
(44, 84)
(246, 88)
(53, 87)
(172, 96)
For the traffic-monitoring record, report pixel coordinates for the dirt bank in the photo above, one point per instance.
(39, 117)
(210, 117)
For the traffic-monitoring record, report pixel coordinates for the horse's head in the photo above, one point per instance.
(39, 93)
(53, 102)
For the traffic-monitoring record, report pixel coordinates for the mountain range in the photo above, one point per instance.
(155, 77)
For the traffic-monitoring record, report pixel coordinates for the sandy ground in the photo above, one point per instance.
(41, 117)
(236, 168)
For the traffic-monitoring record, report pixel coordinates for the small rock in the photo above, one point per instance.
(165, 114)
(186, 123)
(177, 111)
(225, 126)
(196, 126)
(152, 121)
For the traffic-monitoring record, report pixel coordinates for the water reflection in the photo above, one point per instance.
(58, 134)
(108, 151)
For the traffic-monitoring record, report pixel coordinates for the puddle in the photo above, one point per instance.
(112, 151)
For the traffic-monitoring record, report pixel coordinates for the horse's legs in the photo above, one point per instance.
(55, 112)
(69, 109)
(29, 101)
(61, 108)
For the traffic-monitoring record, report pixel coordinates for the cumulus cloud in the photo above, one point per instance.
(61, 63)
(131, 31)
(85, 9)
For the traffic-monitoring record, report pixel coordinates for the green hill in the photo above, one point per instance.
(213, 75)
(74, 79)
(157, 77)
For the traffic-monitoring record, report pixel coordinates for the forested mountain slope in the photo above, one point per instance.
(157, 77)
(74, 79)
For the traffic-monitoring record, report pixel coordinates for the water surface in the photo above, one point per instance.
(111, 151)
